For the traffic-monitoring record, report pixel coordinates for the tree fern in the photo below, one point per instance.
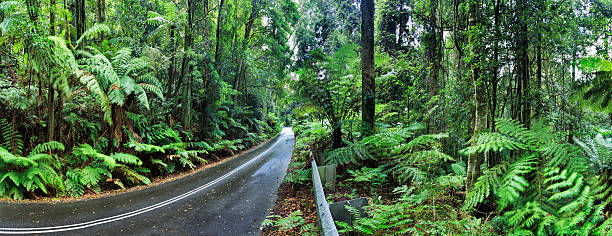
(118, 78)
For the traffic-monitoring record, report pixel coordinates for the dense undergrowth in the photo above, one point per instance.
(544, 185)
(153, 151)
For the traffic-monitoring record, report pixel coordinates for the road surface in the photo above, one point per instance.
(231, 198)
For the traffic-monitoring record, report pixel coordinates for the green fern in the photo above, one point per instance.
(11, 139)
(19, 175)
(547, 189)
(93, 32)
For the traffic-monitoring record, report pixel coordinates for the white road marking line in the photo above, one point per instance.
(63, 228)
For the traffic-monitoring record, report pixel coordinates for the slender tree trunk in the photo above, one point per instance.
(51, 113)
(218, 42)
(242, 67)
(171, 67)
(67, 25)
(367, 70)
(480, 116)
(524, 111)
(539, 75)
(494, 157)
(80, 20)
(101, 11)
(186, 68)
(52, 17)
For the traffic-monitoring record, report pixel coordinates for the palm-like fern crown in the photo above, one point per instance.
(596, 93)
(114, 80)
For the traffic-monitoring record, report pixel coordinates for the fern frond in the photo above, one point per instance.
(149, 148)
(497, 142)
(93, 32)
(48, 147)
(94, 87)
(486, 183)
(127, 159)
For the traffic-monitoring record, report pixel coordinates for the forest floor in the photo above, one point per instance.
(108, 188)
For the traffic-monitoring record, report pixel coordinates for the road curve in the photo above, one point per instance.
(231, 198)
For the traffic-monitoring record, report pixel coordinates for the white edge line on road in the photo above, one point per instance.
(62, 228)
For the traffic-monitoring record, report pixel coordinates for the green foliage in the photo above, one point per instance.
(375, 176)
(298, 176)
(419, 211)
(98, 166)
(403, 154)
(595, 93)
(11, 139)
(37, 171)
(292, 221)
(546, 188)
(118, 78)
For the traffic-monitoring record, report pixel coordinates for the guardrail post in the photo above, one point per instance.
(326, 222)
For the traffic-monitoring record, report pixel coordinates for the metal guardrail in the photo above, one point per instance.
(326, 222)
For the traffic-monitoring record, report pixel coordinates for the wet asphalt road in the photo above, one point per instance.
(231, 198)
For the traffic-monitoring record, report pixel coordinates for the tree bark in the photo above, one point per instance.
(337, 136)
(218, 35)
(367, 70)
(52, 17)
(80, 18)
(242, 67)
(494, 157)
(51, 113)
(522, 65)
(186, 68)
(480, 103)
(171, 67)
(67, 25)
(101, 11)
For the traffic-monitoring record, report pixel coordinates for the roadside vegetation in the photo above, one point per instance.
(106, 95)
(491, 117)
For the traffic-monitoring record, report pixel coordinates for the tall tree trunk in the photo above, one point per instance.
(367, 70)
(480, 103)
(242, 67)
(218, 42)
(494, 157)
(101, 17)
(432, 48)
(186, 68)
(433, 51)
(101, 11)
(522, 64)
(80, 18)
(171, 67)
(539, 75)
(52, 17)
(67, 25)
